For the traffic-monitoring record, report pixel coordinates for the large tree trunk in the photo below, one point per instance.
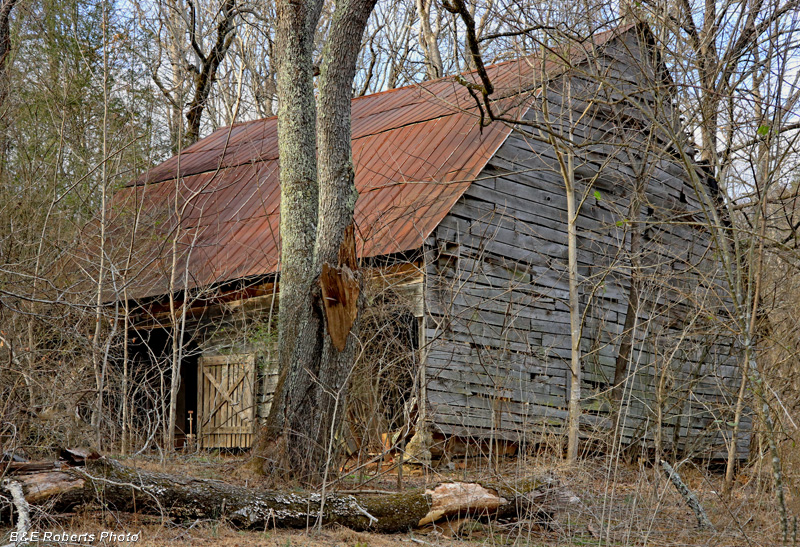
(286, 443)
(317, 201)
(123, 488)
(337, 199)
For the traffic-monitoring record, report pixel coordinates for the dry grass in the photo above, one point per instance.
(629, 505)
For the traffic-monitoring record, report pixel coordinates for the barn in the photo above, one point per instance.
(465, 222)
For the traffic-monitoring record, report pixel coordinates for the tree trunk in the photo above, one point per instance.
(205, 76)
(632, 309)
(337, 199)
(5, 48)
(688, 496)
(565, 157)
(289, 445)
(621, 369)
(573, 422)
(434, 67)
(318, 197)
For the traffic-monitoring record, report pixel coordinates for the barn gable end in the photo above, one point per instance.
(497, 322)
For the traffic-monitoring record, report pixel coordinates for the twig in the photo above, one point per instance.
(141, 488)
(179, 536)
(363, 511)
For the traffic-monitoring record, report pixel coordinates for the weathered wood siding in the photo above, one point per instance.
(497, 321)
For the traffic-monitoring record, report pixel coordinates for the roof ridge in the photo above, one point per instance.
(604, 36)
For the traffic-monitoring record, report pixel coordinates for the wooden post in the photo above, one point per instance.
(400, 463)
(190, 437)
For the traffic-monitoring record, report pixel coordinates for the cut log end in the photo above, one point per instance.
(460, 498)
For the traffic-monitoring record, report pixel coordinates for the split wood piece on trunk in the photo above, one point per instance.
(123, 488)
(340, 290)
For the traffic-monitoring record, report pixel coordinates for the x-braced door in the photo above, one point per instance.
(227, 403)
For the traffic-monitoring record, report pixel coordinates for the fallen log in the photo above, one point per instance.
(122, 488)
(688, 496)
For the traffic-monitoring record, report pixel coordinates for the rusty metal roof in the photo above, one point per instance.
(415, 149)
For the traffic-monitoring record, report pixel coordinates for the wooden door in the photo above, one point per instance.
(226, 401)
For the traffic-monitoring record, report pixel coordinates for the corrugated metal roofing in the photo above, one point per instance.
(416, 149)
